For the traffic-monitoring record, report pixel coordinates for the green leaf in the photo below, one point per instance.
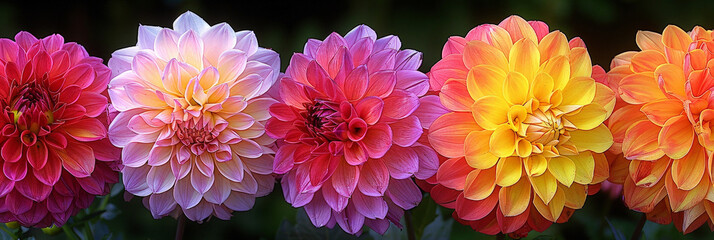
(438, 229)
(615, 232)
(423, 215)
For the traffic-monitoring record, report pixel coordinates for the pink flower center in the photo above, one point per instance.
(323, 121)
(30, 108)
(198, 137)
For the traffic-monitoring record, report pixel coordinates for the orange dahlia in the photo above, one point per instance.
(662, 130)
(524, 133)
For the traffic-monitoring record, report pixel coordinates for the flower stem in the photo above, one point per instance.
(180, 227)
(69, 232)
(410, 226)
(638, 229)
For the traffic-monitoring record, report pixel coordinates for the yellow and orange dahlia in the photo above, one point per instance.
(663, 128)
(524, 133)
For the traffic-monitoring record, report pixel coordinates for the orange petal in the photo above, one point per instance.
(688, 171)
(676, 38)
(553, 209)
(647, 61)
(648, 173)
(602, 168)
(453, 173)
(515, 199)
(622, 119)
(481, 53)
(659, 111)
(605, 96)
(455, 96)
(553, 44)
(518, 28)
(508, 171)
(477, 150)
(503, 141)
(480, 184)
(681, 200)
(672, 79)
(676, 137)
(640, 88)
(485, 80)
(640, 141)
(535, 165)
(643, 199)
(448, 132)
(647, 40)
(559, 69)
(580, 64)
(524, 58)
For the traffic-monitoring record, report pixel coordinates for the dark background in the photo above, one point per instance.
(607, 27)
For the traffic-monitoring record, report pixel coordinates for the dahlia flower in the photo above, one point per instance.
(348, 130)
(664, 128)
(191, 118)
(55, 153)
(524, 133)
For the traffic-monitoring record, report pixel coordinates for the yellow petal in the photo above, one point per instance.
(524, 148)
(563, 169)
(676, 137)
(598, 139)
(485, 80)
(544, 186)
(584, 167)
(535, 165)
(647, 40)
(553, 209)
(559, 69)
(681, 200)
(605, 97)
(575, 195)
(524, 58)
(480, 184)
(676, 38)
(490, 112)
(503, 141)
(481, 53)
(515, 88)
(542, 87)
(514, 200)
(553, 44)
(589, 116)
(508, 171)
(477, 150)
(580, 64)
(579, 91)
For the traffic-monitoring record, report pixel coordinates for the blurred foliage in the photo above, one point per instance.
(607, 27)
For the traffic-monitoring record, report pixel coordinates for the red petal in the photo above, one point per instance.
(77, 159)
(378, 140)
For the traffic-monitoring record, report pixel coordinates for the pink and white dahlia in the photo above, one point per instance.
(348, 131)
(55, 154)
(191, 118)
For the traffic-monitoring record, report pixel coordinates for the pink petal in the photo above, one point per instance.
(190, 48)
(387, 42)
(541, 29)
(370, 109)
(282, 112)
(455, 45)
(233, 170)
(190, 21)
(451, 66)
(161, 204)
(413, 81)
(355, 154)
(329, 48)
(10, 151)
(318, 211)
(381, 60)
(6, 185)
(378, 140)
(453, 172)
(160, 179)
(361, 50)
(238, 201)
(378, 225)
(136, 154)
(344, 180)
(400, 104)
(284, 161)
(428, 162)
(134, 180)
(160, 155)
(246, 42)
(429, 110)
(247, 185)
(37, 155)
(370, 207)
(166, 44)
(358, 33)
(321, 167)
(336, 201)
(217, 39)
(350, 220)
(356, 83)
(404, 193)
(219, 192)
(200, 212)
(147, 36)
(185, 194)
(381, 84)
(16, 203)
(42, 64)
(33, 189)
(85, 130)
(293, 93)
(401, 162)
(374, 178)
(78, 159)
(409, 130)
(247, 148)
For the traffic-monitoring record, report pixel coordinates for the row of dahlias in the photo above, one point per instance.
(512, 128)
